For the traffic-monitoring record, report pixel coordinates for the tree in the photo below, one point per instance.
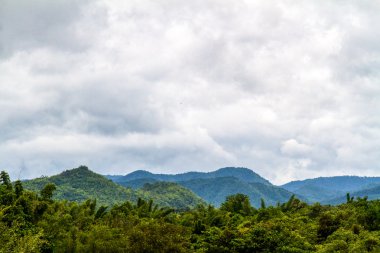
(263, 205)
(238, 203)
(327, 226)
(6, 192)
(47, 191)
(5, 180)
(18, 188)
(349, 198)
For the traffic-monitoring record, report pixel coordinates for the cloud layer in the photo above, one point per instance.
(290, 89)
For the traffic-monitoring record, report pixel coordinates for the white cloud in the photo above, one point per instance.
(293, 148)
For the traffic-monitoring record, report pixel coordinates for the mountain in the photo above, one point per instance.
(215, 190)
(243, 174)
(81, 184)
(214, 186)
(325, 188)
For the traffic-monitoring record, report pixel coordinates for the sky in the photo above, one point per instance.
(289, 89)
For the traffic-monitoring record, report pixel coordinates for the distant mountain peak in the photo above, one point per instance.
(235, 168)
(241, 173)
(140, 172)
(240, 170)
(81, 171)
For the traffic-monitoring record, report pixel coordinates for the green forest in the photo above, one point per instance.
(34, 222)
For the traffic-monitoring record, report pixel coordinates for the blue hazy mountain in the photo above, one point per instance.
(323, 189)
(371, 193)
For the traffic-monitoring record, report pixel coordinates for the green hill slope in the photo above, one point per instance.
(215, 190)
(138, 183)
(171, 194)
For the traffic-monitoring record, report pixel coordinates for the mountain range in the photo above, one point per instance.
(243, 174)
(187, 190)
(214, 186)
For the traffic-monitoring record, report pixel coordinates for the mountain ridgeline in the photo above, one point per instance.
(187, 190)
(243, 174)
(214, 186)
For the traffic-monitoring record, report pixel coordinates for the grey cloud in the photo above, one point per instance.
(289, 89)
(27, 25)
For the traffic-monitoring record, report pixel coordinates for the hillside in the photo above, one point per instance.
(172, 195)
(326, 188)
(243, 174)
(81, 183)
(214, 186)
(215, 190)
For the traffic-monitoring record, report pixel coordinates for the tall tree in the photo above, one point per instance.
(47, 191)
(18, 188)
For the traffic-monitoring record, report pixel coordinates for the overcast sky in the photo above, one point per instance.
(290, 89)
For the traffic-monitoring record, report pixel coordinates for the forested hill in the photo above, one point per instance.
(243, 174)
(215, 186)
(81, 184)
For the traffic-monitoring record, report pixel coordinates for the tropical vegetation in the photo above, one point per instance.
(36, 222)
